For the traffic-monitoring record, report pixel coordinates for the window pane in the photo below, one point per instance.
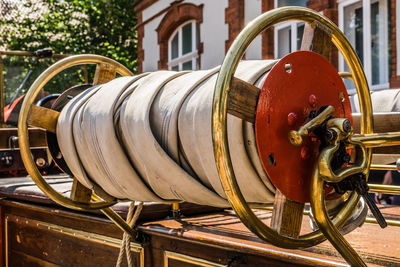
(292, 3)
(174, 46)
(187, 38)
(353, 27)
(375, 43)
(175, 68)
(300, 31)
(284, 41)
(187, 65)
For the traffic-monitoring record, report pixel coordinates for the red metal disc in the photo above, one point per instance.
(300, 82)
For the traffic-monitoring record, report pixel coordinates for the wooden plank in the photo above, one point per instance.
(317, 38)
(242, 101)
(36, 138)
(104, 73)
(43, 118)
(287, 215)
(383, 122)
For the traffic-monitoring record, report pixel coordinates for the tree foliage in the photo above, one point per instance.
(104, 27)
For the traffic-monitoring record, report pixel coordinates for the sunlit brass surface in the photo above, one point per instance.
(23, 127)
(389, 222)
(377, 139)
(326, 226)
(328, 175)
(296, 137)
(383, 167)
(219, 121)
(189, 260)
(346, 75)
(384, 189)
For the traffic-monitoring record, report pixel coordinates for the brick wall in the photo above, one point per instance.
(268, 35)
(394, 79)
(140, 32)
(234, 17)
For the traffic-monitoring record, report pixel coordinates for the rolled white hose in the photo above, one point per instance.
(148, 138)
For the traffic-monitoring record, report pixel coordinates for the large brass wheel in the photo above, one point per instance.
(219, 125)
(25, 115)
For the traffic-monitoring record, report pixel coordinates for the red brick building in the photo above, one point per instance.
(195, 34)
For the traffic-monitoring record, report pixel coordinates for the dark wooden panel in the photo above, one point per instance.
(18, 258)
(36, 137)
(59, 245)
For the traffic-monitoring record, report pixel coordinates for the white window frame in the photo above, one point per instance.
(293, 27)
(186, 57)
(366, 5)
(293, 35)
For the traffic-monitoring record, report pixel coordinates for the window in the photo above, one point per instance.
(365, 24)
(288, 35)
(183, 46)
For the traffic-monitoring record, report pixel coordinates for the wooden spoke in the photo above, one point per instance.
(287, 216)
(104, 73)
(242, 101)
(43, 118)
(79, 192)
(383, 122)
(317, 38)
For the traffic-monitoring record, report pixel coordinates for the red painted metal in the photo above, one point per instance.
(288, 95)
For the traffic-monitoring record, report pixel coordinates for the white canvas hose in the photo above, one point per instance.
(148, 138)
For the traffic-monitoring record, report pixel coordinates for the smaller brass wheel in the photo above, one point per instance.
(23, 136)
(219, 123)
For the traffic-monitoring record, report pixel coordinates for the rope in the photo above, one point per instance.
(133, 214)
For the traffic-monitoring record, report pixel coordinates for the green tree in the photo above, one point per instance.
(104, 27)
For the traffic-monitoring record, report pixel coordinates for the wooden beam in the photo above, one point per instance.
(242, 100)
(43, 118)
(36, 138)
(104, 73)
(317, 38)
(287, 215)
(383, 122)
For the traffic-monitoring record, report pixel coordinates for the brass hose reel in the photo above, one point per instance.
(26, 113)
(320, 171)
(221, 149)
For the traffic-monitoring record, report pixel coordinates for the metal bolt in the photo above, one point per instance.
(291, 118)
(312, 100)
(398, 165)
(330, 135)
(346, 126)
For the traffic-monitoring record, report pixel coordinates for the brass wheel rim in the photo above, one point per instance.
(219, 121)
(23, 136)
